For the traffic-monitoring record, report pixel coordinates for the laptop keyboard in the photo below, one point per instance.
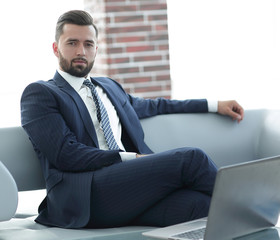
(191, 235)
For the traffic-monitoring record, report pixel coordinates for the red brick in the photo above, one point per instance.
(142, 28)
(120, 8)
(115, 50)
(146, 7)
(147, 58)
(124, 70)
(162, 27)
(157, 17)
(109, 40)
(156, 68)
(140, 48)
(108, 20)
(137, 79)
(131, 18)
(148, 89)
(162, 77)
(118, 60)
(164, 47)
(130, 39)
(155, 37)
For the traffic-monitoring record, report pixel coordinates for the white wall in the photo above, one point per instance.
(27, 34)
(226, 49)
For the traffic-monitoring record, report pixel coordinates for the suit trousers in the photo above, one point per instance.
(157, 190)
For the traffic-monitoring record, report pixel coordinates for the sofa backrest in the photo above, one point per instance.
(224, 140)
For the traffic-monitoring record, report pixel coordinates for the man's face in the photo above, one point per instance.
(76, 49)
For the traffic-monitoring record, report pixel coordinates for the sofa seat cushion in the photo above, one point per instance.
(26, 229)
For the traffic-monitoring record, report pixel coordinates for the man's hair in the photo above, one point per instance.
(77, 17)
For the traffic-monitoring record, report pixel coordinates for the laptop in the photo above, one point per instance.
(246, 199)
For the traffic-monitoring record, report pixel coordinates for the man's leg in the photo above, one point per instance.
(122, 192)
(173, 209)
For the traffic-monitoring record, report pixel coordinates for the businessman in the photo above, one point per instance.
(86, 132)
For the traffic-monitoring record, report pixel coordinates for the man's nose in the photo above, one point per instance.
(81, 50)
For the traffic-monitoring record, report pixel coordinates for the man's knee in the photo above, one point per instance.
(197, 157)
(198, 154)
(191, 152)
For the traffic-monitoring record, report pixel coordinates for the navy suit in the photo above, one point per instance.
(62, 133)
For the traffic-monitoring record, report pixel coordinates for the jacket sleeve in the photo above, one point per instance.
(51, 136)
(151, 107)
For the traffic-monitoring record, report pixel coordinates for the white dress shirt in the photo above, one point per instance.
(85, 94)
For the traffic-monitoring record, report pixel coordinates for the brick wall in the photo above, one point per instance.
(133, 44)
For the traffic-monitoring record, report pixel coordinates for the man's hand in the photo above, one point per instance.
(232, 109)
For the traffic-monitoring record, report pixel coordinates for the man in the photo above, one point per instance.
(87, 135)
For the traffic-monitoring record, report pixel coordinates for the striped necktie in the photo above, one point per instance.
(102, 117)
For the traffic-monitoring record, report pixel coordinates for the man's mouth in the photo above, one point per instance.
(79, 61)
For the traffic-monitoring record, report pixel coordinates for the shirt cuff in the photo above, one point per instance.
(212, 106)
(125, 156)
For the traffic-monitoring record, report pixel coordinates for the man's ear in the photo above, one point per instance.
(96, 51)
(55, 49)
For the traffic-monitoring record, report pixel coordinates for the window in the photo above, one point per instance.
(226, 49)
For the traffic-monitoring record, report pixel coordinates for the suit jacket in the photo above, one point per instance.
(62, 133)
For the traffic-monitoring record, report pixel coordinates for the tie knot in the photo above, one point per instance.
(88, 83)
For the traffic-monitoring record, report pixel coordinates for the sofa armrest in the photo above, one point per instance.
(269, 139)
(19, 157)
(8, 194)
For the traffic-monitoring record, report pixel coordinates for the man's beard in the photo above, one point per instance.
(77, 71)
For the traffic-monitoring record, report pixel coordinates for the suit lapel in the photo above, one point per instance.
(117, 102)
(84, 114)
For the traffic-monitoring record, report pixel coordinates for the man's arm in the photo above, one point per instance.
(52, 133)
(152, 107)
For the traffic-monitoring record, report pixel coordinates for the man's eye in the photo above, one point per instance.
(71, 43)
(89, 45)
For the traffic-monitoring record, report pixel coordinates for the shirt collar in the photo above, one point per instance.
(75, 82)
